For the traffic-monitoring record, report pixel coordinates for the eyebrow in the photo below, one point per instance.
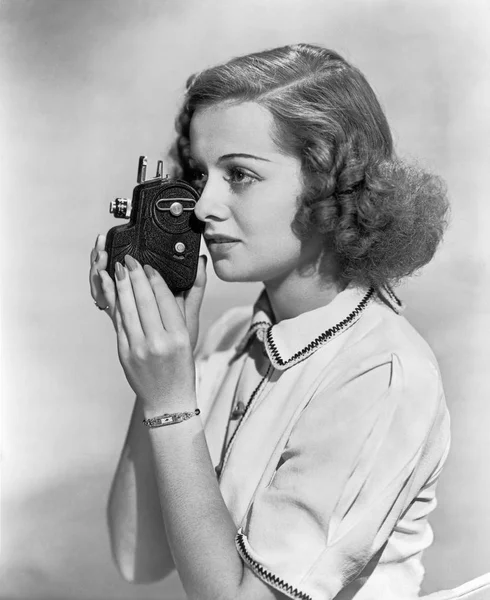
(235, 155)
(242, 155)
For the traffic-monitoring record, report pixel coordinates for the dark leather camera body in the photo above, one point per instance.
(162, 232)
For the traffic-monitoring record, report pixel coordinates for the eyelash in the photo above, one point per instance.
(199, 178)
(234, 171)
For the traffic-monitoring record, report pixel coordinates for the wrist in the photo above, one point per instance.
(176, 404)
(176, 434)
(170, 418)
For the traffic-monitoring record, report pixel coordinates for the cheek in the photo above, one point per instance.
(271, 237)
(267, 228)
(271, 209)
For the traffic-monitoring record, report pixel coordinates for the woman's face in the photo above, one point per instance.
(249, 194)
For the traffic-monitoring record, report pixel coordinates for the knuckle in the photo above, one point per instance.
(180, 340)
(157, 348)
(139, 353)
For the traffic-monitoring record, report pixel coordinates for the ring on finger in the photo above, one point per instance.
(100, 307)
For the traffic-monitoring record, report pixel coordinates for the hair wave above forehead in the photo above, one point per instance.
(311, 92)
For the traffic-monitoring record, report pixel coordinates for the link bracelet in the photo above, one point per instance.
(170, 418)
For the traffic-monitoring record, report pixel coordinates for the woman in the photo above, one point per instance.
(311, 469)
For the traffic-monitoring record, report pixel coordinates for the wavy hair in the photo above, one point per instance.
(382, 217)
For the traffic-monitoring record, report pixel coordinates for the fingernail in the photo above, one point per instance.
(120, 274)
(93, 256)
(130, 262)
(150, 271)
(97, 239)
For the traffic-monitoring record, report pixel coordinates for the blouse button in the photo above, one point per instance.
(238, 411)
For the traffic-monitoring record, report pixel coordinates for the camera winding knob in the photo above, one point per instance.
(120, 208)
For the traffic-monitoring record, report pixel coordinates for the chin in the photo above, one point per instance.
(235, 277)
(226, 271)
(232, 274)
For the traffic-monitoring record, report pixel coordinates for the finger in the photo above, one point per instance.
(145, 302)
(98, 251)
(100, 242)
(93, 253)
(96, 289)
(180, 299)
(194, 296)
(99, 255)
(122, 339)
(127, 305)
(98, 261)
(170, 313)
(109, 293)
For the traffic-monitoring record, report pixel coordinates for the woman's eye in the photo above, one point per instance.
(197, 174)
(198, 178)
(236, 175)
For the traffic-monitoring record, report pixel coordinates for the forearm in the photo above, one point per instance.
(136, 529)
(200, 530)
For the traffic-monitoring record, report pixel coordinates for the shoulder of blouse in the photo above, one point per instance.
(384, 334)
(387, 357)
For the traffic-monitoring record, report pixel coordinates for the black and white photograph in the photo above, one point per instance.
(244, 300)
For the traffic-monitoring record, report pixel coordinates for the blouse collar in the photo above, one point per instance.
(293, 340)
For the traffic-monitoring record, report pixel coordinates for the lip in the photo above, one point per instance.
(219, 239)
(221, 246)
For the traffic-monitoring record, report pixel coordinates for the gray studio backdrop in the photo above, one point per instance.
(86, 87)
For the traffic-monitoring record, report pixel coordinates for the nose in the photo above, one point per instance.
(212, 204)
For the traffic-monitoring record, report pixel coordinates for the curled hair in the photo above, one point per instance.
(381, 217)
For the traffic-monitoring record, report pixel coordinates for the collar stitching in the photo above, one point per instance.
(321, 339)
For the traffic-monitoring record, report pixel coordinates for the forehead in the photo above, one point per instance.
(229, 128)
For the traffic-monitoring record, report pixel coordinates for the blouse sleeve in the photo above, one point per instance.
(358, 455)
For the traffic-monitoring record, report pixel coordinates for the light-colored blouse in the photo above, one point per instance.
(330, 473)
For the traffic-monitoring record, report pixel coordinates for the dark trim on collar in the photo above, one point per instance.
(280, 363)
(265, 330)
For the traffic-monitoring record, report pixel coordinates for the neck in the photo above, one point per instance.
(296, 294)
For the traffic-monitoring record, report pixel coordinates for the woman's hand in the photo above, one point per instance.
(154, 344)
(189, 302)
